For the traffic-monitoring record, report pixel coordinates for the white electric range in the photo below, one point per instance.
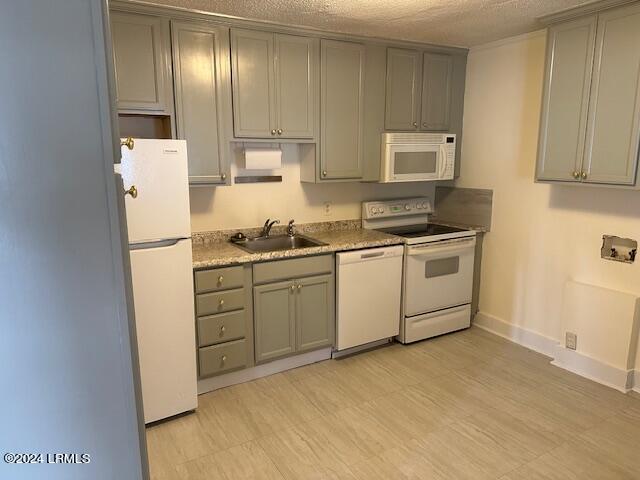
(437, 277)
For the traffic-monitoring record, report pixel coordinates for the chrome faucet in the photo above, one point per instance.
(266, 228)
(290, 229)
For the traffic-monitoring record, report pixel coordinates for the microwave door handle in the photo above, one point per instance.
(442, 161)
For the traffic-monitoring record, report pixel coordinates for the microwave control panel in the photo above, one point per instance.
(450, 159)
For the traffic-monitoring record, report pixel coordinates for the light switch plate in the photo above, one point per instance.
(571, 340)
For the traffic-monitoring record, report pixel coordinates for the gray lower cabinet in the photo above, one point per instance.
(275, 320)
(314, 313)
(275, 85)
(590, 122)
(297, 314)
(141, 50)
(202, 81)
(341, 109)
(224, 319)
(419, 90)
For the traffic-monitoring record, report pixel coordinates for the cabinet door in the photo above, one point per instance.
(252, 62)
(565, 99)
(296, 73)
(203, 98)
(436, 91)
(315, 324)
(404, 81)
(341, 110)
(613, 130)
(274, 317)
(141, 50)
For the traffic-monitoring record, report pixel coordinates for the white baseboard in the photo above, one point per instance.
(636, 381)
(588, 367)
(527, 338)
(259, 371)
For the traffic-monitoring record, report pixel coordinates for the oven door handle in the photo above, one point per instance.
(432, 250)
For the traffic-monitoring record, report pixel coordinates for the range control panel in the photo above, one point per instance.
(396, 208)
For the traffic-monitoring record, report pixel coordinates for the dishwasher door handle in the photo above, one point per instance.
(372, 255)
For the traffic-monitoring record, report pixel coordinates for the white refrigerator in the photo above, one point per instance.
(159, 228)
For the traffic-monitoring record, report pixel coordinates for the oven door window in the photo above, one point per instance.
(441, 267)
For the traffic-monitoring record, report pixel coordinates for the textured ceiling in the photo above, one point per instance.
(447, 22)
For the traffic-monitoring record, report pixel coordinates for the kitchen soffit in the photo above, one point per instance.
(462, 23)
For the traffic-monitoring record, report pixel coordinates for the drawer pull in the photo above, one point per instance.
(221, 303)
(222, 330)
(220, 280)
(223, 359)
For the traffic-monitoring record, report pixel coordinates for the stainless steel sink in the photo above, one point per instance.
(276, 243)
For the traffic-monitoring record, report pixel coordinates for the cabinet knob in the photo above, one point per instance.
(220, 279)
(584, 175)
(221, 302)
(279, 131)
(273, 132)
(133, 191)
(223, 359)
(223, 176)
(576, 175)
(127, 143)
(222, 330)
(299, 286)
(292, 288)
(425, 124)
(324, 173)
(415, 124)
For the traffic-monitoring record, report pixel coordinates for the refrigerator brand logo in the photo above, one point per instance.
(169, 150)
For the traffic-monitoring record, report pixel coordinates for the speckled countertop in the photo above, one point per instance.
(216, 251)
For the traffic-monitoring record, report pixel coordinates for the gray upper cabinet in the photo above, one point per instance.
(436, 91)
(590, 124)
(341, 109)
(203, 98)
(296, 86)
(274, 317)
(141, 48)
(566, 99)
(613, 131)
(418, 90)
(274, 84)
(404, 83)
(314, 313)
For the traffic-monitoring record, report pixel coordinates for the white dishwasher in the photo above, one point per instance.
(368, 290)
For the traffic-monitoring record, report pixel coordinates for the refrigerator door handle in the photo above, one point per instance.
(156, 244)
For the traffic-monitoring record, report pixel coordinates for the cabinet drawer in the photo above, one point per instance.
(218, 302)
(292, 268)
(221, 328)
(222, 358)
(219, 279)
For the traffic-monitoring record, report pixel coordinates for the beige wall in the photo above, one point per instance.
(541, 235)
(248, 205)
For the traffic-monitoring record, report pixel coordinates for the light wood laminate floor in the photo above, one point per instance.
(468, 405)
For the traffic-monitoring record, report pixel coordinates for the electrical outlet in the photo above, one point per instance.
(327, 209)
(571, 340)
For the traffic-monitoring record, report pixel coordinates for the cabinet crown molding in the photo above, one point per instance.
(580, 10)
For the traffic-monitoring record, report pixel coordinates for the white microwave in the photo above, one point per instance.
(417, 157)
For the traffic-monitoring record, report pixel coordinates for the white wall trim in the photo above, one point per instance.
(636, 381)
(527, 338)
(588, 367)
(508, 40)
(259, 371)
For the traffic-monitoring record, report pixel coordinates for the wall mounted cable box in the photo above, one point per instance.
(618, 249)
